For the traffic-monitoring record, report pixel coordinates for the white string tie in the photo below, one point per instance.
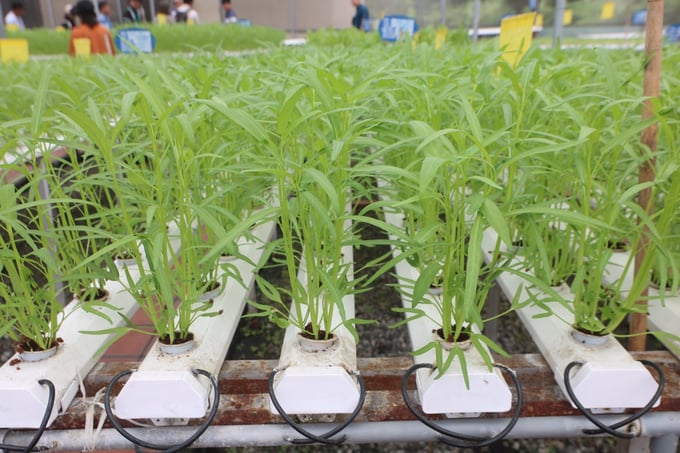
(92, 433)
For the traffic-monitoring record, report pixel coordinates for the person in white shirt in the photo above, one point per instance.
(186, 13)
(13, 18)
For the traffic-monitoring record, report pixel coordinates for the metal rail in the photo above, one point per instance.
(662, 425)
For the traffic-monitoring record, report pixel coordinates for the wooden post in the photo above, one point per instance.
(653, 43)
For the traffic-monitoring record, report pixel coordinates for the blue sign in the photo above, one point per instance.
(395, 27)
(639, 17)
(673, 33)
(135, 40)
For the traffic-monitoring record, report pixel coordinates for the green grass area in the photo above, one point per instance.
(178, 38)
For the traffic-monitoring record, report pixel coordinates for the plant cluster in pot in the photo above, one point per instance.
(661, 231)
(449, 208)
(664, 311)
(30, 310)
(192, 295)
(314, 179)
(52, 350)
(171, 292)
(169, 289)
(666, 218)
(573, 325)
(84, 247)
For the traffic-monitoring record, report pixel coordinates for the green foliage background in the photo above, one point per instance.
(179, 38)
(459, 13)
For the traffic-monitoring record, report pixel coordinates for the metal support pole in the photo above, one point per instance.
(442, 12)
(293, 16)
(475, 20)
(119, 5)
(560, 6)
(635, 445)
(656, 424)
(152, 10)
(420, 11)
(3, 32)
(50, 13)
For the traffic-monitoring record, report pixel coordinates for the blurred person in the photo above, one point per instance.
(14, 19)
(163, 15)
(104, 16)
(134, 12)
(361, 19)
(173, 9)
(187, 13)
(229, 13)
(88, 27)
(68, 21)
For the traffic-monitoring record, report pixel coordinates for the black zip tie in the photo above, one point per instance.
(163, 448)
(43, 423)
(448, 436)
(612, 429)
(322, 438)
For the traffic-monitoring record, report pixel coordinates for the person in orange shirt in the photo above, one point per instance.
(90, 28)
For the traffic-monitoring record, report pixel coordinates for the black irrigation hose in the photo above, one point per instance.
(310, 437)
(612, 429)
(164, 448)
(43, 423)
(447, 435)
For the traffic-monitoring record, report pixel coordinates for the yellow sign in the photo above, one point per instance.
(607, 10)
(539, 20)
(516, 36)
(82, 46)
(14, 50)
(162, 19)
(568, 16)
(440, 37)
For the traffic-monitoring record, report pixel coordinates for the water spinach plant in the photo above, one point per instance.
(319, 128)
(453, 202)
(165, 191)
(581, 201)
(30, 308)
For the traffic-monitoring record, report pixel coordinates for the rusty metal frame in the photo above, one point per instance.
(244, 416)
